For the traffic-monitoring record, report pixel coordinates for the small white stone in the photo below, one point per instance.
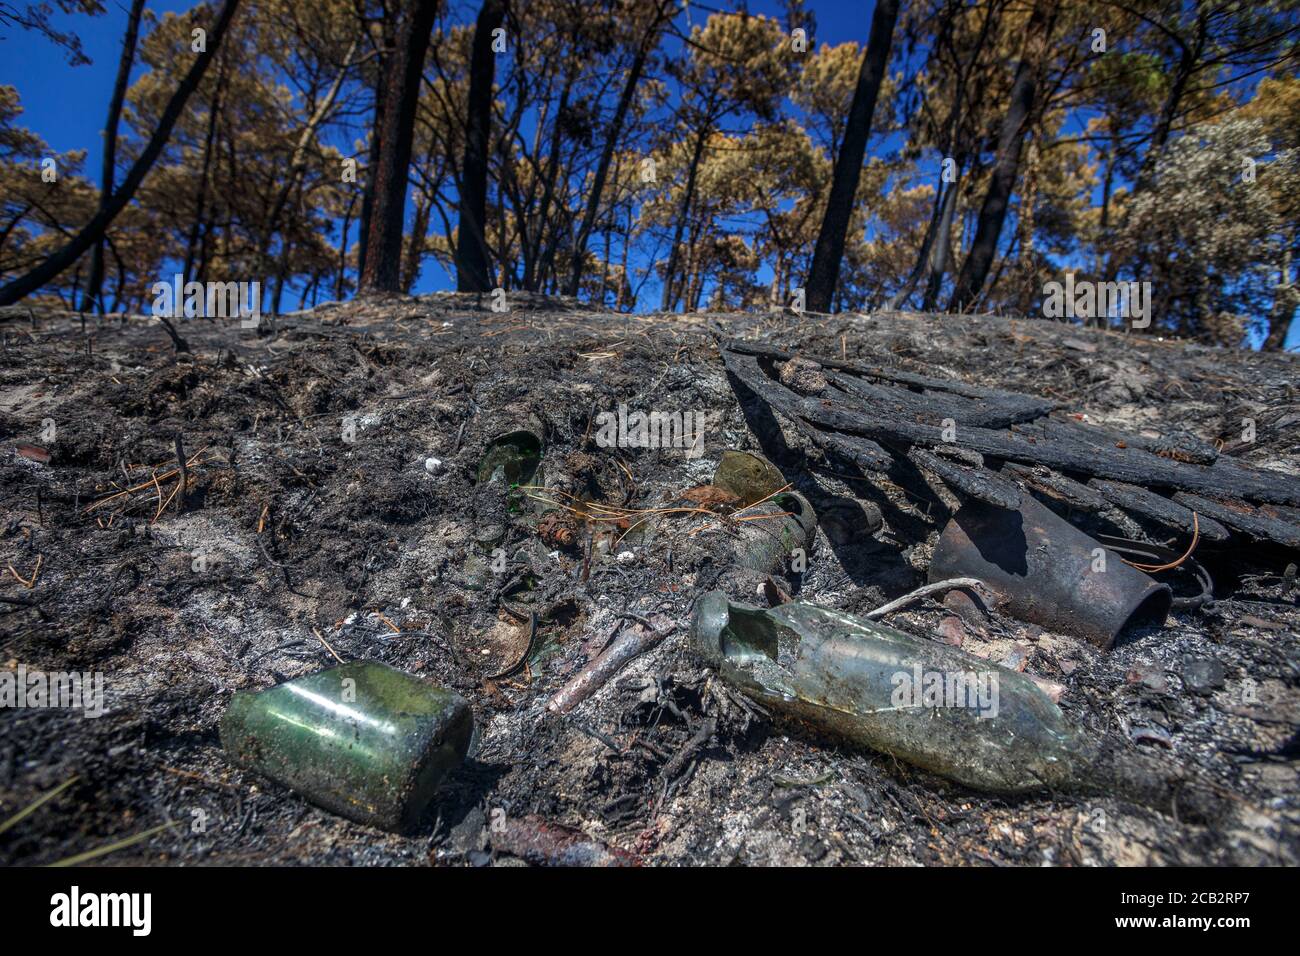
(626, 557)
(433, 465)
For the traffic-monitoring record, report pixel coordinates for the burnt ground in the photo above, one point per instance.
(312, 542)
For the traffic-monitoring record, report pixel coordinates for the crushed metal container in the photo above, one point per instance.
(363, 740)
(1049, 572)
(926, 703)
(849, 521)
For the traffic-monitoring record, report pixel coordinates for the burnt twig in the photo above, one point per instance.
(629, 644)
(178, 343)
(185, 472)
(925, 589)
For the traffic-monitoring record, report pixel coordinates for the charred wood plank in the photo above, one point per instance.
(903, 420)
(1176, 447)
(1031, 444)
(861, 451)
(1281, 511)
(747, 370)
(931, 406)
(1148, 504)
(1240, 516)
(972, 481)
(1057, 486)
(1014, 405)
(1232, 467)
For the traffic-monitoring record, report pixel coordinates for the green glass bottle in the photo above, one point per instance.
(767, 545)
(926, 703)
(363, 740)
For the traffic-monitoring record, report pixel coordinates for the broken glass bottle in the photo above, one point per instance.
(363, 740)
(924, 702)
(515, 456)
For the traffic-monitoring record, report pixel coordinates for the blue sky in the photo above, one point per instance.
(66, 105)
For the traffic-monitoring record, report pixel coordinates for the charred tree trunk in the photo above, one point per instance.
(1024, 263)
(662, 11)
(624, 297)
(1285, 299)
(1188, 61)
(415, 245)
(279, 283)
(471, 241)
(94, 230)
(533, 261)
(1107, 188)
(343, 249)
(829, 251)
(939, 258)
(604, 274)
(382, 51)
(993, 213)
(96, 281)
(934, 249)
(368, 194)
(669, 296)
(924, 257)
(205, 176)
(402, 77)
(298, 159)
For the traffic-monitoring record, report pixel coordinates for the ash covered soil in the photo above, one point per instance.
(325, 529)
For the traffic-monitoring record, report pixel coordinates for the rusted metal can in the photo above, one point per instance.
(1049, 572)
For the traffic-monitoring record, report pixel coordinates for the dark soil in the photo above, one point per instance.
(313, 519)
